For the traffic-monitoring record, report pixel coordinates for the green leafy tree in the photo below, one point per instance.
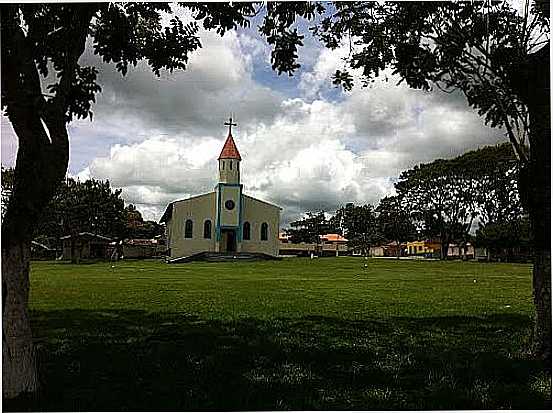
(310, 228)
(495, 168)
(503, 224)
(443, 197)
(507, 239)
(395, 222)
(492, 171)
(7, 187)
(89, 206)
(138, 228)
(359, 225)
(134, 218)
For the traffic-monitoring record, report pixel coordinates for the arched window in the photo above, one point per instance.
(264, 231)
(188, 229)
(247, 231)
(231, 165)
(207, 229)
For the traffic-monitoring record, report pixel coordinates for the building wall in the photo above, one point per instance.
(256, 213)
(457, 251)
(229, 171)
(422, 248)
(203, 207)
(198, 209)
(229, 218)
(376, 251)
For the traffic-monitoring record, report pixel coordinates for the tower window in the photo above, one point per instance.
(223, 165)
(264, 231)
(247, 231)
(207, 229)
(188, 229)
(231, 165)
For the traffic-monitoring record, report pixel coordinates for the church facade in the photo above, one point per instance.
(225, 220)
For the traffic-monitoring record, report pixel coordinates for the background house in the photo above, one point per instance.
(85, 245)
(329, 245)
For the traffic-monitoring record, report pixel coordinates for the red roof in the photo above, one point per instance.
(230, 151)
(333, 238)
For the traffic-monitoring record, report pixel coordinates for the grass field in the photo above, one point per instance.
(295, 334)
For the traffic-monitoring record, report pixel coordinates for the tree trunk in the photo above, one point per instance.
(39, 168)
(532, 83)
(73, 250)
(444, 247)
(42, 159)
(540, 200)
(18, 369)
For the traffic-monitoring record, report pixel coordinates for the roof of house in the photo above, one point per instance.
(88, 235)
(230, 151)
(44, 247)
(141, 241)
(333, 237)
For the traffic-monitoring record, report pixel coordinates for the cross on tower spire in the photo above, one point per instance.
(230, 125)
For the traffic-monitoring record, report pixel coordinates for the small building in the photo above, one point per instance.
(85, 245)
(225, 220)
(424, 248)
(377, 251)
(142, 248)
(329, 245)
(334, 244)
(40, 251)
(457, 252)
(432, 249)
(392, 249)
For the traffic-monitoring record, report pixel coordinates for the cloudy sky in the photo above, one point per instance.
(305, 144)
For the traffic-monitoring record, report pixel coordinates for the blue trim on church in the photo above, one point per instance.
(218, 226)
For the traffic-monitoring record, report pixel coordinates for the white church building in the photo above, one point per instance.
(225, 220)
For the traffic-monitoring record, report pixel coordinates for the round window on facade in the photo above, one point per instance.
(229, 204)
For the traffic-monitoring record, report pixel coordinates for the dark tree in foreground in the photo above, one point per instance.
(498, 57)
(36, 41)
(39, 40)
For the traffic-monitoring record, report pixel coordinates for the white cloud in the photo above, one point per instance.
(313, 82)
(158, 138)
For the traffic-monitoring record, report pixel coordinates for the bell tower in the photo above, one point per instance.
(228, 228)
(229, 159)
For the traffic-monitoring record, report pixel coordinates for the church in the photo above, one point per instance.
(224, 221)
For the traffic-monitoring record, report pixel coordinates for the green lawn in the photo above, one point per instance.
(295, 334)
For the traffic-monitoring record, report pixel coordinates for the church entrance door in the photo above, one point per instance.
(229, 240)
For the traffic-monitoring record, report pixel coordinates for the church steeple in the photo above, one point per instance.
(229, 159)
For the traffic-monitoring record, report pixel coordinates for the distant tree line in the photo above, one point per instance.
(445, 199)
(87, 206)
